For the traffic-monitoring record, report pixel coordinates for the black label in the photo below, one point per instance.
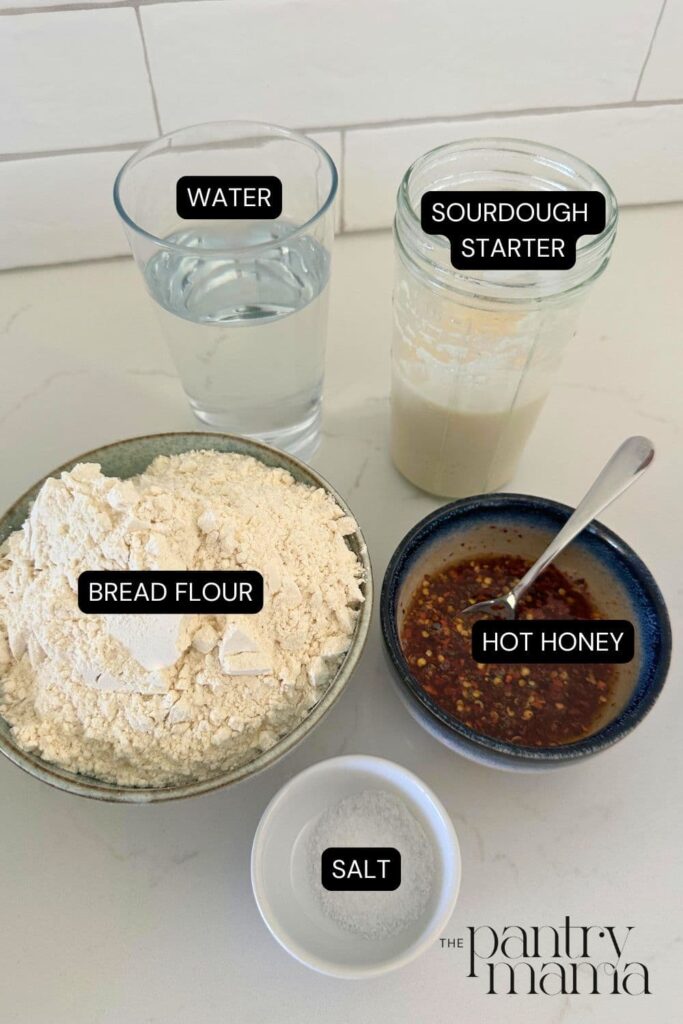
(553, 641)
(364, 868)
(218, 592)
(513, 230)
(229, 197)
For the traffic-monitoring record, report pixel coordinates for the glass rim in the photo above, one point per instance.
(525, 147)
(423, 251)
(275, 131)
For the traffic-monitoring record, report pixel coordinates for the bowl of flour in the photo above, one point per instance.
(142, 708)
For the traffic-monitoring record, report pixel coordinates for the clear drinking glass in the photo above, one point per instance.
(475, 353)
(243, 303)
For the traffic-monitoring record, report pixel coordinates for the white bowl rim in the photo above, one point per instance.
(450, 883)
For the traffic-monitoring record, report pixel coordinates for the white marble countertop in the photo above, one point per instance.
(123, 915)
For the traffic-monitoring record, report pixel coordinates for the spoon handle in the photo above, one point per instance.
(628, 462)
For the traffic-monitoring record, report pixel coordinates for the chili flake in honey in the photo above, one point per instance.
(531, 706)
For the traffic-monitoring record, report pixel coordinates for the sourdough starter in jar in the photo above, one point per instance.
(474, 355)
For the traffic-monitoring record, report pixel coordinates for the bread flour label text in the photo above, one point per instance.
(215, 592)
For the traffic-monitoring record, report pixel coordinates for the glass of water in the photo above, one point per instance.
(243, 303)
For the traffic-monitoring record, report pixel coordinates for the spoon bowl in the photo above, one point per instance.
(495, 608)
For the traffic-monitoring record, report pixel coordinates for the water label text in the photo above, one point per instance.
(229, 197)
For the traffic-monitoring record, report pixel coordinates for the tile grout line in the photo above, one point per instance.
(375, 126)
(83, 5)
(60, 8)
(148, 69)
(489, 115)
(47, 154)
(649, 50)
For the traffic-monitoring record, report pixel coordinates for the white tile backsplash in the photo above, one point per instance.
(663, 78)
(336, 62)
(59, 208)
(77, 79)
(638, 149)
(383, 81)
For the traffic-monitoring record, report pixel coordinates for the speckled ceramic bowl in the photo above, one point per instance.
(128, 458)
(517, 524)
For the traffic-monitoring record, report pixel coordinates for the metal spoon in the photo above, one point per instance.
(628, 462)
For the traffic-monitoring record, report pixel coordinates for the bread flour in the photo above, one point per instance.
(157, 699)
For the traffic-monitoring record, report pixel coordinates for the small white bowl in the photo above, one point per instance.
(280, 870)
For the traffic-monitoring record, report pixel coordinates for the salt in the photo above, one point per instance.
(374, 818)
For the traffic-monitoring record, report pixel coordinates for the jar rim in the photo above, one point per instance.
(595, 248)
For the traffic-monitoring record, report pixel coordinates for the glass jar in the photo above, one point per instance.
(475, 353)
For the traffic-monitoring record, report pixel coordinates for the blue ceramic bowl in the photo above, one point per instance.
(518, 524)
